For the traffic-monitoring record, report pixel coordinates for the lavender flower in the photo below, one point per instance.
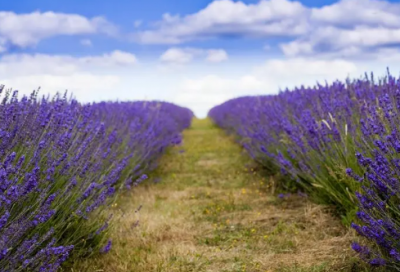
(107, 247)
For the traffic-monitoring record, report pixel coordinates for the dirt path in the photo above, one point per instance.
(209, 212)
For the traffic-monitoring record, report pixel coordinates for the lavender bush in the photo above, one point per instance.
(339, 142)
(63, 162)
(308, 133)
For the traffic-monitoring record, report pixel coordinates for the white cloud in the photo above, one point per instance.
(90, 78)
(86, 42)
(350, 13)
(226, 17)
(300, 71)
(176, 56)
(24, 30)
(86, 86)
(200, 94)
(116, 57)
(216, 55)
(203, 92)
(342, 41)
(200, 86)
(296, 48)
(25, 64)
(348, 28)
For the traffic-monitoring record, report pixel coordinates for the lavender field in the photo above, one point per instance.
(200, 136)
(63, 163)
(67, 165)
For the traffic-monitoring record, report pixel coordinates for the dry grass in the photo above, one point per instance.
(211, 213)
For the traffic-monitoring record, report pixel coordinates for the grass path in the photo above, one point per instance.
(210, 212)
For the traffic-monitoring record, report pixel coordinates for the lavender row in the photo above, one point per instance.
(63, 162)
(340, 143)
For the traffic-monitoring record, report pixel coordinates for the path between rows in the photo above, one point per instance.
(210, 211)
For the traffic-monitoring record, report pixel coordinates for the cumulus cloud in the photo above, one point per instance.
(203, 92)
(227, 18)
(90, 78)
(289, 73)
(89, 87)
(216, 55)
(180, 56)
(116, 57)
(26, 64)
(177, 56)
(199, 90)
(200, 94)
(344, 42)
(349, 13)
(349, 28)
(24, 30)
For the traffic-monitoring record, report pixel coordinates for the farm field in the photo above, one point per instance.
(200, 136)
(211, 210)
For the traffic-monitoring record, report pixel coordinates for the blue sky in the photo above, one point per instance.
(193, 53)
(124, 14)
